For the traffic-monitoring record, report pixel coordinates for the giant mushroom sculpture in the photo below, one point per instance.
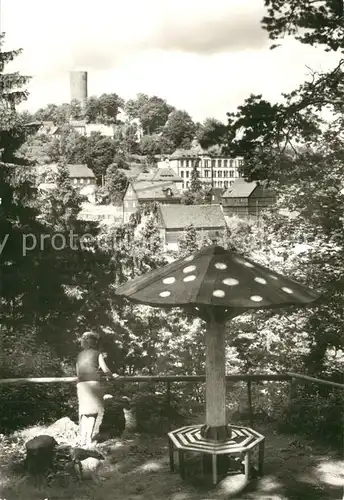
(217, 284)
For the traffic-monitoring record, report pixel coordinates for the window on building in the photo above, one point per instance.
(225, 173)
(231, 163)
(213, 163)
(231, 182)
(187, 173)
(219, 173)
(220, 184)
(187, 184)
(231, 173)
(240, 163)
(206, 173)
(206, 163)
(182, 173)
(225, 184)
(81, 181)
(182, 163)
(225, 163)
(75, 181)
(219, 163)
(187, 163)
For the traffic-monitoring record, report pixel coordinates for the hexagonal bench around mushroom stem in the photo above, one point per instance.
(217, 284)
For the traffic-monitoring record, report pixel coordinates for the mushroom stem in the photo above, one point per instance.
(216, 421)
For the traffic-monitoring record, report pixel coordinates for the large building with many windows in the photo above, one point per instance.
(215, 170)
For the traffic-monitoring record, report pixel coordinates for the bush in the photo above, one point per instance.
(316, 412)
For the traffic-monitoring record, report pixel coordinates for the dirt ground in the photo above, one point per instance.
(138, 469)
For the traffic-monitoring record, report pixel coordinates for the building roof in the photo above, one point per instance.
(106, 130)
(158, 175)
(156, 190)
(196, 151)
(77, 123)
(74, 170)
(216, 194)
(201, 216)
(80, 171)
(184, 153)
(240, 189)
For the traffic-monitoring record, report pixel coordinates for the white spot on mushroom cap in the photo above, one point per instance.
(165, 294)
(191, 277)
(169, 281)
(256, 298)
(230, 282)
(273, 277)
(260, 280)
(189, 269)
(286, 289)
(221, 265)
(219, 293)
(248, 264)
(189, 258)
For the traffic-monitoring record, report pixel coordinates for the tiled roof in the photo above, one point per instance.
(156, 190)
(144, 176)
(80, 171)
(167, 173)
(159, 175)
(184, 153)
(201, 216)
(78, 123)
(240, 189)
(74, 170)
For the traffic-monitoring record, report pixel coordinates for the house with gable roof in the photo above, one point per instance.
(146, 192)
(81, 177)
(247, 199)
(208, 221)
(162, 174)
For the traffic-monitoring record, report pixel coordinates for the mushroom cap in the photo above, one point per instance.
(216, 277)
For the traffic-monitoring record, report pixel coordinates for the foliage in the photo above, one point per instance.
(96, 151)
(126, 137)
(179, 129)
(59, 208)
(152, 112)
(69, 147)
(115, 184)
(189, 242)
(103, 109)
(100, 154)
(195, 183)
(313, 22)
(211, 133)
(321, 407)
(155, 144)
(196, 194)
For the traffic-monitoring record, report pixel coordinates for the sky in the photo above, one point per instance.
(203, 56)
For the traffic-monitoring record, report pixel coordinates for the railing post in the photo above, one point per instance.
(249, 399)
(168, 399)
